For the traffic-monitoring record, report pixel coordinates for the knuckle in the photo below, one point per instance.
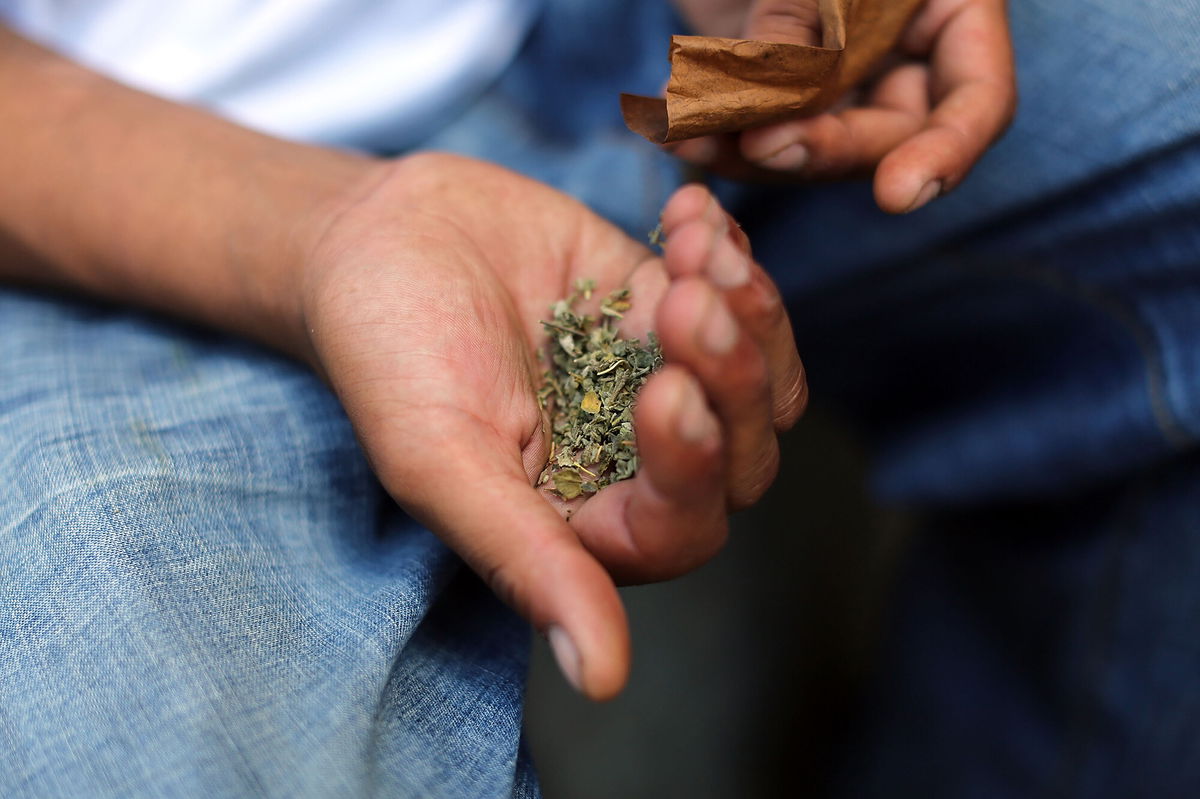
(501, 580)
(791, 401)
(752, 481)
(752, 377)
(740, 381)
(770, 313)
(835, 146)
(796, 21)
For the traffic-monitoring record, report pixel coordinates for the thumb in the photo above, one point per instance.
(485, 509)
(785, 21)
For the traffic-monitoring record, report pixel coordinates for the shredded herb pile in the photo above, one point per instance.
(589, 393)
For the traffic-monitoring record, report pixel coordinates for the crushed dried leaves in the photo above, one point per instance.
(589, 391)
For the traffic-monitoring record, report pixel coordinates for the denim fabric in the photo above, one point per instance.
(203, 590)
(1023, 358)
(1035, 331)
(1043, 649)
(554, 115)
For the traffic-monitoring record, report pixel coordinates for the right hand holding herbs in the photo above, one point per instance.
(424, 300)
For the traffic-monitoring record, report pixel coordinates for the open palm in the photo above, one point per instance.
(424, 301)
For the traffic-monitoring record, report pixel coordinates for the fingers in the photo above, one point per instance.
(699, 331)
(974, 89)
(722, 155)
(706, 422)
(472, 490)
(702, 240)
(672, 517)
(851, 141)
(922, 127)
(785, 21)
(701, 151)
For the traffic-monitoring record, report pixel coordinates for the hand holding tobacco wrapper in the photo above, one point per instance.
(717, 86)
(589, 391)
(720, 85)
(909, 92)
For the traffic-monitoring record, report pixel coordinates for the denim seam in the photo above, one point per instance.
(1175, 433)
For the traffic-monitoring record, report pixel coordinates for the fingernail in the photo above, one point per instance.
(567, 656)
(718, 331)
(728, 266)
(926, 195)
(696, 423)
(789, 159)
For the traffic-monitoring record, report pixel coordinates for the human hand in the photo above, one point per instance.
(415, 288)
(922, 124)
(423, 301)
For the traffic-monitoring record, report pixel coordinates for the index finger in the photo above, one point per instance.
(974, 93)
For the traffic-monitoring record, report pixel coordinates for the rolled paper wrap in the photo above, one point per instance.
(729, 85)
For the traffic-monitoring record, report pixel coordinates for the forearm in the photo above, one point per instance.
(125, 196)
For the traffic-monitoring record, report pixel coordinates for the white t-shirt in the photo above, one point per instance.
(374, 74)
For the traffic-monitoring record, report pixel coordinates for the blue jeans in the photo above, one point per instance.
(1024, 359)
(202, 588)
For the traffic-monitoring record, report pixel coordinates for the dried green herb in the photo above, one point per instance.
(589, 391)
(657, 237)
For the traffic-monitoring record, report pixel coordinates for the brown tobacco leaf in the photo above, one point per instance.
(729, 85)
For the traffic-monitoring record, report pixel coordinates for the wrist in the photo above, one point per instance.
(295, 194)
(383, 198)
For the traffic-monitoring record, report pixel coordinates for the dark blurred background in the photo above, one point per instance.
(745, 672)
